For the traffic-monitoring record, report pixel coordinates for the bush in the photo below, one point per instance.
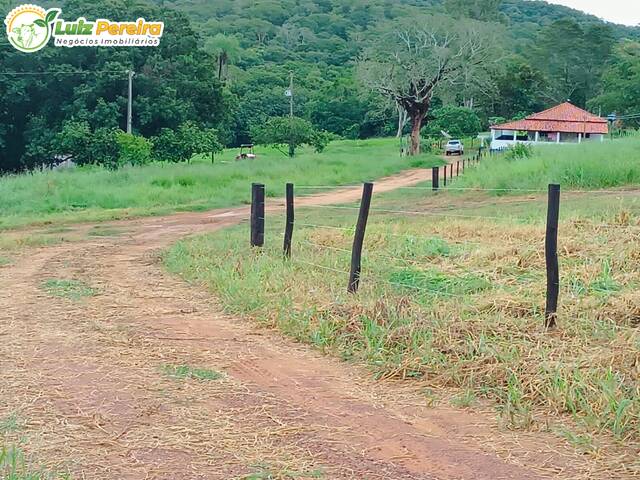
(519, 151)
(134, 149)
(182, 144)
(85, 146)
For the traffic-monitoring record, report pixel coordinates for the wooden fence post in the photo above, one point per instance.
(257, 214)
(458, 168)
(551, 256)
(288, 228)
(435, 178)
(358, 238)
(451, 172)
(445, 176)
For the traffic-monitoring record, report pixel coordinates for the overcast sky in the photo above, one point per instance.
(626, 12)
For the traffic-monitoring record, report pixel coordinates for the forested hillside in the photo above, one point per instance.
(549, 54)
(223, 67)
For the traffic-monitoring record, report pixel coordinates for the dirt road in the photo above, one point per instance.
(85, 382)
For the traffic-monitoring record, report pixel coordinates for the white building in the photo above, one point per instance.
(564, 123)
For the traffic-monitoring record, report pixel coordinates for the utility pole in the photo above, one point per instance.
(130, 103)
(291, 94)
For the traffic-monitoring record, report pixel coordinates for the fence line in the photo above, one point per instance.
(471, 189)
(406, 212)
(355, 275)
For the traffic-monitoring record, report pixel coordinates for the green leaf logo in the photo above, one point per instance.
(29, 27)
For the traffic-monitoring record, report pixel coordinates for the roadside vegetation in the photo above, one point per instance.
(93, 193)
(587, 166)
(454, 300)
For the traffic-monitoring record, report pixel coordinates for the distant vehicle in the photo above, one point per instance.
(454, 146)
(246, 151)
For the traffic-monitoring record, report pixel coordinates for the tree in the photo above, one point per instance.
(226, 49)
(456, 121)
(84, 146)
(410, 60)
(573, 58)
(181, 144)
(520, 87)
(486, 10)
(173, 85)
(291, 131)
(621, 82)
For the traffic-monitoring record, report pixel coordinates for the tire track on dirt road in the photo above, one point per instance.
(85, 379)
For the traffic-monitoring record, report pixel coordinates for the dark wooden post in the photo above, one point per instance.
(551, 256)
(445, 176)
(288, 228)
(451, 172)
(257, 214)
(358, 238)
(458, 168)
(435, 178)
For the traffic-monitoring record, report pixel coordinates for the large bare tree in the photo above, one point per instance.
(411, 60)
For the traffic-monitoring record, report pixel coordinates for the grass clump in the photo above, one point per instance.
(14, 466)
(185, 371)
(71, 289)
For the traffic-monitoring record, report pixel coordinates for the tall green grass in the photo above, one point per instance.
(586, 166)
(92, 193)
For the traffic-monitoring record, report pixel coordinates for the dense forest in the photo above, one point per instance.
(223, 67)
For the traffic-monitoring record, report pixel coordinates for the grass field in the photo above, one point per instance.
(589, 165)
(455, 298)
(94, 194)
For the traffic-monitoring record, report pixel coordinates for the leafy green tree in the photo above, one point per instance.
(83, 145)
(225, 48)
(412, 60)
(621, 83)
(573, 58)
(485, 10)
(181, 144)
(134, 149)
(520, 87)
(291, 131)
(173, 85)
(456, 121)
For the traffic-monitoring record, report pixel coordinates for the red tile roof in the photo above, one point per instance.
(566, 118)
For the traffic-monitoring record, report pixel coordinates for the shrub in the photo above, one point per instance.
(85, 146)
(183, 143)
(519, 151)
(134, 149)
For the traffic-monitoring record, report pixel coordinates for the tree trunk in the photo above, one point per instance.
(402, 120)
(292, 150)
(416, 124)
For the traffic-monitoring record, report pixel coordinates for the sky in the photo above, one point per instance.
(626, 12)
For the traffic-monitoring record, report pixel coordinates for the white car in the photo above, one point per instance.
(454, 146)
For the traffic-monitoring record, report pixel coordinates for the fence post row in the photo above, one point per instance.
(257, 214)
(551, 256)
(435, 178)
(288, 228)
(358, 238)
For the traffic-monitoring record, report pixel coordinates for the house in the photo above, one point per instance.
(564, 123)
